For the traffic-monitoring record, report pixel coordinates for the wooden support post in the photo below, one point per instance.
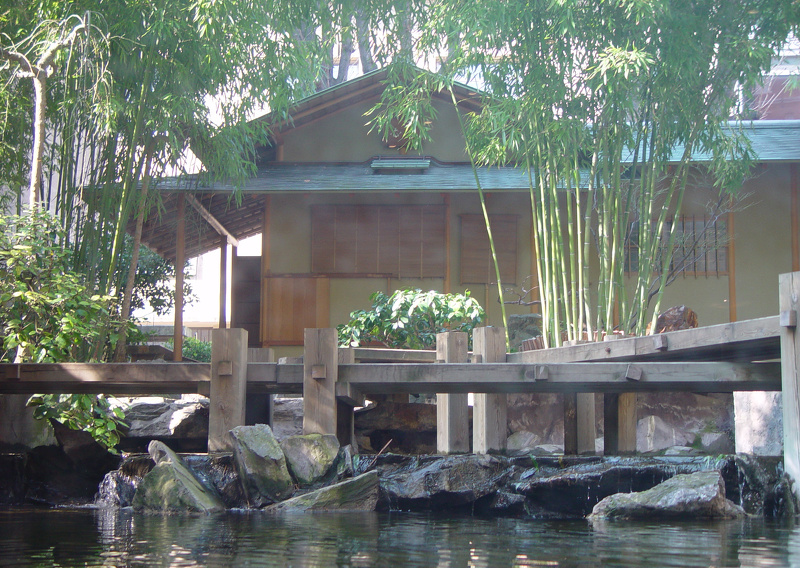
(489, 413)
(223, 282)
(452, 410)
(580, 427)
(789, 300)
(228, 386)
(259, 407)
(619, 420)
(570, 423)
(320, 373)
(627, 423)
(180, 260)
(610, 424)
(586, 422)
(346, 400)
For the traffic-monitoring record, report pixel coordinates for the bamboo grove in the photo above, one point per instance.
(602, 102)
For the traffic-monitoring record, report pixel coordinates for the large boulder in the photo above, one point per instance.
(181, 421)
(172, 487)
(440, 482)
(355, 494)
(654, 434)
(691, 496)
(310, 457)
(287, 416)
(261, 465)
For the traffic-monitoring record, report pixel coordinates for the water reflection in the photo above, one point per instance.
(31, 537)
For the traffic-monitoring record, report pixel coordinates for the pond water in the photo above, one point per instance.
(92, 537)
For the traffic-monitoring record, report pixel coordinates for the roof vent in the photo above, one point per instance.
(402, 165)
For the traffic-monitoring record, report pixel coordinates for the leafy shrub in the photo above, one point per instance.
(194, 349)
(91, 413)
(410, 319)
(47, 313)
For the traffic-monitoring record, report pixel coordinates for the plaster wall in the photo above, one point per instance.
(345, 136)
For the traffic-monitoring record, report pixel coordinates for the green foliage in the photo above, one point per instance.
(194, 349)
(47, 313)
(91, 413)
(154, 281)
(410, 319)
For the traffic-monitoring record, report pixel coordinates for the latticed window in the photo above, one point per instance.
(402, 241)
(477, 266)
(700, 246)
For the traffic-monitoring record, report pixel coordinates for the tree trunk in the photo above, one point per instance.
(364, 50)
(120, 355)
(40, 107)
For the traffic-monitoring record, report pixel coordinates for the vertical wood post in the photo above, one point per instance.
(587, 423)
(223, 282)
(489, 413)
(228, 386)
(619, 420)
(180, 260)
(789, 300)
(452, 410)
(259, 407)
(345, 425)
(570, 423)
(320, 373)
(627, 422)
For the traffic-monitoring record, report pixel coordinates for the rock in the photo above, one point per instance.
(183, 421)
(685, 451)
(218, 471)
(692, 496)
(344, 463)
(653, 434)
(172, 487)
(411, 428)
(117, 489)
(675, 318)
(759, 423)
(540, 413)
(521, 441)
(547, 450)
(716, 443)
(287, 417)
(442, 482)
(572, 491)
(522, 327)
(310, 457)
(356, 494)
(261, 465)
(506, 503)
(12, 478)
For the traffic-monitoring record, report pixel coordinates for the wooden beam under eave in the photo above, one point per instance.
(210, 219)
(447, 245)
(266, 259)
(180, 260)
(223, 282)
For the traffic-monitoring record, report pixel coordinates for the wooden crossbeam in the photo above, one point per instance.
(211, 220)
(380, 378)
(747, 340)
(565, 377)
(110, 378)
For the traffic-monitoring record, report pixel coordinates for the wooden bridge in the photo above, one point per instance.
(753, 355)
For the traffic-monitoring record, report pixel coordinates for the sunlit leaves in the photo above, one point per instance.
(410, 319)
